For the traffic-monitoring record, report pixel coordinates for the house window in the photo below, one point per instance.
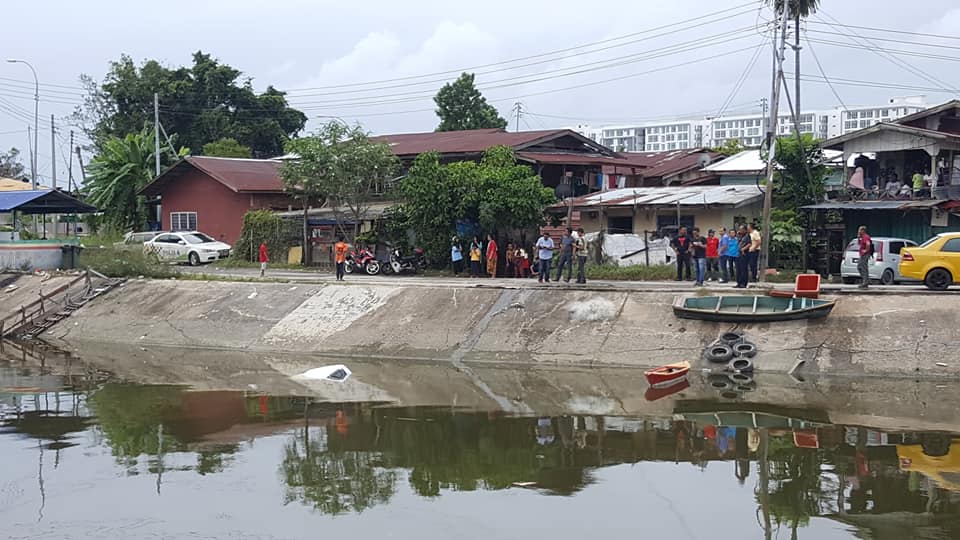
(620, 225)
(183, 221)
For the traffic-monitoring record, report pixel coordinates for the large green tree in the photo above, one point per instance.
(797, 159)
(496, 193)
(201, 103)
(339, 166)
(461, 106)
(10, 166)
(116, 174)
(227, 147)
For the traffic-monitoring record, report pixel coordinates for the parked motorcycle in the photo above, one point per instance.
(361, 260)
(400, 263)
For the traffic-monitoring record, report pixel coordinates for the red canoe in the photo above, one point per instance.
(668, 374)
(657, 392)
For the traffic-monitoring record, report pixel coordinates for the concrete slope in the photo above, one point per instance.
(872, 335)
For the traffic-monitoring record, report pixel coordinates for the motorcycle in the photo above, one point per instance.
(399, 263)
(362, 260)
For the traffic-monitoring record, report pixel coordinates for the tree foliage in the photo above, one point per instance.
(730, 147)
(801, 8)
(265, 226)
(115, 176)
(339, 166)
(227, 147)
(796, 161)
(10, 166)
(496, 193)
(461, 106)
(201, 103)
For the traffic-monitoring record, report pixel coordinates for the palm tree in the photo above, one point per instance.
(799, 9)
(116, 175)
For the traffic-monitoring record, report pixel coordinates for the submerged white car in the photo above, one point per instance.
(190, 247)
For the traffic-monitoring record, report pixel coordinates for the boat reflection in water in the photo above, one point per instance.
(347, 458)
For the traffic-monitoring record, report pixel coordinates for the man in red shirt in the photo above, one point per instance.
(713, 256)
(866, 251)
(264, 259)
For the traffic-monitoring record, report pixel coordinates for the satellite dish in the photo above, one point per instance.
(703, 160)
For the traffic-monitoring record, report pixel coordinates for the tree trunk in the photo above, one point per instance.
(305, 256)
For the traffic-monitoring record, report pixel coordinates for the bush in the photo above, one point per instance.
(631, 273)
(115, 263)
(265, 226)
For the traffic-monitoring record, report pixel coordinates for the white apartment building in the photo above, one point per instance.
(748, 129)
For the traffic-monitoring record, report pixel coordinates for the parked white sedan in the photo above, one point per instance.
(190, 247)
(884, 265)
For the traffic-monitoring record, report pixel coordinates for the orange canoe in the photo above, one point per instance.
(668, 374)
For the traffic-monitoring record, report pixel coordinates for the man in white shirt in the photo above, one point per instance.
(545, 253)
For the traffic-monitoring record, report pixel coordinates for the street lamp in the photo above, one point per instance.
(36, 116)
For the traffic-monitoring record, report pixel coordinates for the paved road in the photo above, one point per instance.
(313, 276)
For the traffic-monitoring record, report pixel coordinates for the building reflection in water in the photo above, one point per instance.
(341, 458)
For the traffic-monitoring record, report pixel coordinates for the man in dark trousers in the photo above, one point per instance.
(681, 246)
(743, 265)
(866, 252)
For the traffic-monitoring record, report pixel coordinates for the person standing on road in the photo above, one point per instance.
(456, 256)
(264, 258)
(699, 245)
(340, 256)
(566, 254)
(475, 256)
(743, 265)
(545, 253)
(756, 241)
(866, 252)
(681, 247)
(732, 252)
(713, 256)
(582, 252)
(722, 248)
(491, 256)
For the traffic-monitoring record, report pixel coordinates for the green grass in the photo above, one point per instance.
(631, 273)
(234, 262)
(115, 263)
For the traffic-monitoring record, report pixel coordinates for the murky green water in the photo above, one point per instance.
(92, 457)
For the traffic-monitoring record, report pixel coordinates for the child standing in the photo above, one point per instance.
(264, 259)
(475, 256)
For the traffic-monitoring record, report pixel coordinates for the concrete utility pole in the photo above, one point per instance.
(779, 47)
(36, 117)
(53, 152)
(518, 107)
(70, 165)
(156, 131)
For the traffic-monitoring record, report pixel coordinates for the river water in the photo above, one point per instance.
(92, 456)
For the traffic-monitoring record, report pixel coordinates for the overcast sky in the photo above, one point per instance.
(299, 45)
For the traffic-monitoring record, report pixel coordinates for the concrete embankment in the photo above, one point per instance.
(909, 335)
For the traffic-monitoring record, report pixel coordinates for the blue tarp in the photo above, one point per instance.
(44, 201)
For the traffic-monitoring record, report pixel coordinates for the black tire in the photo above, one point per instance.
(740, 364)
(193, 259)
(745, 387)
(935, 444)
(372, 268)
(718, 353)
(740, 378)
(887, 278)
(849, 280)
(719, 382)
(386, 268)
(348, 267)
(745, 350)
(731, 338)
(938, 279)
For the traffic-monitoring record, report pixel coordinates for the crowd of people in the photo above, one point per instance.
(522, 262)
(731, 255)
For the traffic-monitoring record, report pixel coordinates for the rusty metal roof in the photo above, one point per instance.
(237, 174)
(476, 141)
(668, 163)
(730, 196)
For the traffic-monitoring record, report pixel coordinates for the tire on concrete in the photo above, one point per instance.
(745, 350)
(740, 378)
(718, 353)
(740, 365)
(719, 382)
(938, 279)
(731, 338)
(888, 278)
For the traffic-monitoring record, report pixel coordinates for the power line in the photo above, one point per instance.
(887, 30)
(874, 84)
(540, 55)
(891, 40)
(743, 77)
(824, 73)
(898, 52)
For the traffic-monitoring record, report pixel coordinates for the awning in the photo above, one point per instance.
(42, 202)
(924, 204)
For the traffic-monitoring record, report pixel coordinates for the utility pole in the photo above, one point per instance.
(70, 166)
(763, 109)
(156, 131)
(779, 47)
(518, 107)
(36, 119)
(83, 173)
(53, 152)
(33, 163)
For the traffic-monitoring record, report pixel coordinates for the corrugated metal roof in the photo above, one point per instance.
(660, 164)
(42, 201)
(462, 142)
(671, 196)
(855, 205)
(240, 175)
(571, 159)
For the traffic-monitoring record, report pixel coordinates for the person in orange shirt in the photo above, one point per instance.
(491, 256)
(340, 256)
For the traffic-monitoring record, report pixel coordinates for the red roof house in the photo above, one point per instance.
(212, 194)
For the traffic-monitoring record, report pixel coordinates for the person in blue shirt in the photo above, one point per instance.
(456, 256)
(722, 249)
(733, 254)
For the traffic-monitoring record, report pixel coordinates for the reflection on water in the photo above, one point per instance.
(343, 459)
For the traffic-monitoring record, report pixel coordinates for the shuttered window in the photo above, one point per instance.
(183, 221)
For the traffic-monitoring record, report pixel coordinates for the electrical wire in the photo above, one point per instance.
(898, 52)
(891, 40)
(887, 30)
(823, 73)
(743, 77)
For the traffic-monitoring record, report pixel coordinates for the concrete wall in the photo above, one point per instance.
(530, 326)
(26, 255)
(646, 219)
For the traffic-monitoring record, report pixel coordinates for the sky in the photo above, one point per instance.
(568, 63)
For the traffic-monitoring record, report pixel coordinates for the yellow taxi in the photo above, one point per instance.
(936, 261)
